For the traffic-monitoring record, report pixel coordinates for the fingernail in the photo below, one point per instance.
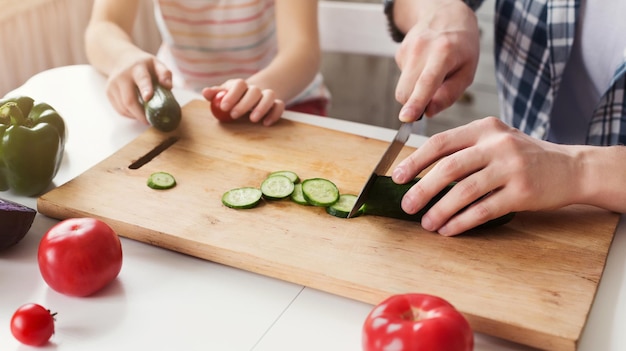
(427, 223)
(398, 174)
(405, 114)
(445, 231)
(144, 94)
(408, 204)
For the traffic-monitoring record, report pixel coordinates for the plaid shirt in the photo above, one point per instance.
(533, 40)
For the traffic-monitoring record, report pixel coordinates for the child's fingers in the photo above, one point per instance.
(247, 102)
(275, 113)
(235, 91)
(210, 92)
(263, 106)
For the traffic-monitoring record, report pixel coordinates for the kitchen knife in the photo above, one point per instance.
(383, 165)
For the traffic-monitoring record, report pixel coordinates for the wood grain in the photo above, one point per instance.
(531, 281)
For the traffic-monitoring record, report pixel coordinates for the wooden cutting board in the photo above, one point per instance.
(531, 281)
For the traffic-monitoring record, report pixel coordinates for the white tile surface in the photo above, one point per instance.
(306, 325)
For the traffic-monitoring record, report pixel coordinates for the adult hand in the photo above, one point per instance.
(438, 56)
(242, 99)
(133, 76)
(513, 171)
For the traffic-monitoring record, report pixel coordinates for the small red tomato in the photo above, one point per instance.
(416, 322)
(221, 115)
(79, 256)
(32, 324)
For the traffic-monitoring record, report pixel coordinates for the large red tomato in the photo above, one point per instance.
(79, 256)
(416, 322)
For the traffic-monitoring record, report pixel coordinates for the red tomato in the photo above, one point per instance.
(32, 324)
(221, 115)
(79, 256)
(416, 322)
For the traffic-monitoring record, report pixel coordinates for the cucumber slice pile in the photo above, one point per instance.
(284, 184)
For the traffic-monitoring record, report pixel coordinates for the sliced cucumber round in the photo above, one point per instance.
(289, 174)
(297, 196)
(277, 187)
(320, 192)
(343, 206)
(242, 198)
(161, 180)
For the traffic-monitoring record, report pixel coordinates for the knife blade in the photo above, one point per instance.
(384, 163)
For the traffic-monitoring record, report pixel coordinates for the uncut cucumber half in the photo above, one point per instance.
(385, 197)
(162, 110)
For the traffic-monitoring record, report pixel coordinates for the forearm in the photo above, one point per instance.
(602, 179)
(289, 73)
(105, 44)
(108, 34)
(299, 55)
(407, 13)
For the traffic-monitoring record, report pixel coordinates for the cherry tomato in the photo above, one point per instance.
(416, 322)
(221, 115)
(79, 256)
(32, 324)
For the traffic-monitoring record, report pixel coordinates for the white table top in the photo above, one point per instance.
(163, 300)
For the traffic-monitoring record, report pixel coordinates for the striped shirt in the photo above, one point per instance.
(206, 42)
(533, 43)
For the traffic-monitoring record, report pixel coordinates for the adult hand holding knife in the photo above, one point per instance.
(497, 168)
(438, 57)
(383, 164)
(438, 61)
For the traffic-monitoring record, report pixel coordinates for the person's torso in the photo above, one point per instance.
(537, 63)
(597, 52)
(206, 42)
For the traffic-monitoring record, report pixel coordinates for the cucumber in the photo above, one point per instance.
(277, 187)
(320, 192)
(385, 197)
(289, 174)
(242, 198)
(161, 181)
(343, 206)
(297, 196)
(162, 110)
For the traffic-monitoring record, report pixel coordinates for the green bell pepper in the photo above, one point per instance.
(32, 142)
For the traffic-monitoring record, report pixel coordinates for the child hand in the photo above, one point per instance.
(133, 77)
(242, 99)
